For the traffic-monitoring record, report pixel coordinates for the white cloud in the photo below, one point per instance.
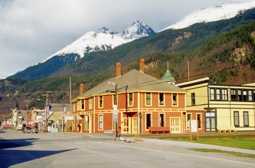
(31, 30)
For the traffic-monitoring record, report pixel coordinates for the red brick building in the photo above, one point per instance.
(144, 103)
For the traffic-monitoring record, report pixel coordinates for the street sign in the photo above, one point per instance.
(115, 112)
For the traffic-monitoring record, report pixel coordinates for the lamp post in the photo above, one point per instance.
(115, 106)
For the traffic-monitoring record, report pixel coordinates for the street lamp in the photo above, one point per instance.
(115, 106)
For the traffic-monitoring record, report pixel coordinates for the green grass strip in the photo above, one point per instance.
(229, 153)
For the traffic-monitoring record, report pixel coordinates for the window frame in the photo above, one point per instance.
(193, 99)
(101, 122)
(147, 93)
(218, 94)
(248, 119)
(177, 102)
(212, 95)
(199, 123)
(159, 101)
(160, 119)
(113, 100)
(82, 104)
(146, 123)
(188, 122)
(237, 125)
(99, 102)
(132, 104)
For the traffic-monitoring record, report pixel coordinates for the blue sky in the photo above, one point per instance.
(31, 30)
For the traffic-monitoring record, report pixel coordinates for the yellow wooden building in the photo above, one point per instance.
(225, 107)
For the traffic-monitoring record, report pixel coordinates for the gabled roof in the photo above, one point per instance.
(136, 81)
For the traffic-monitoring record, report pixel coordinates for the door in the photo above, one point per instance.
(210, 124)
(175, 125)
(132, 125)
(210, 121)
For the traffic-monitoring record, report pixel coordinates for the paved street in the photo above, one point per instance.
(79, 151)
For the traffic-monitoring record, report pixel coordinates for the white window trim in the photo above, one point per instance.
(164, 102)
(100, 129)
(148, 105)
(201, 118)
(113, 100)
(145, 122)
(163, 119)
(133, 96)
(187, 120)
(98, 102)
(177, 100)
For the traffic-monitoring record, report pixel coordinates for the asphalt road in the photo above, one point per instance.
(83, 151)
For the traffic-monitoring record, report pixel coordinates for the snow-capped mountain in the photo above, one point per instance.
(105, 39)
(216, 13)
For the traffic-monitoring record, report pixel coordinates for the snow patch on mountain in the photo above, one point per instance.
(105, 39)
(216, 13)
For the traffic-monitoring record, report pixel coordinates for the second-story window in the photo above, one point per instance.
(212, 94)
(250, 95)
(239, 95)
(193, 99)
(82, 104)
(245, 95)
(161, 99)
(148, 99)
(174, 99)
(233, 95)
(100, 101)
(224, 93)
(130, 99)
(114, 99)
(218, 95)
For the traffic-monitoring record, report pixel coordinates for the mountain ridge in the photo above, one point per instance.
(211, 14)
(105, 39)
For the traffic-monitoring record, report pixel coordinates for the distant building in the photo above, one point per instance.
(225, 107)
(142, 103)
(57, 115)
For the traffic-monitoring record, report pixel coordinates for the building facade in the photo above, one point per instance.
(138, 102)
(225, 107)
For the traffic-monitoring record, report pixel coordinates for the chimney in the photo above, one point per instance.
(118, 69)
(141, 65)
(82, 89)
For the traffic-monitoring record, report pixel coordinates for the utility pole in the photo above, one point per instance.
(70, 90)
(188, 70)
(116, 103)
(46, 109)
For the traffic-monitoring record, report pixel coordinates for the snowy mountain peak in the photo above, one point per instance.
(137, 29)
(216, 13)
(105, 39)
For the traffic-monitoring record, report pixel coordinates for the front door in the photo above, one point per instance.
(132, 125)
(210, 121)
(210, 124)
(175, 125)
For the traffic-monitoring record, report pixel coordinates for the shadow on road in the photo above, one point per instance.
(9, 156)
(13, 143)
